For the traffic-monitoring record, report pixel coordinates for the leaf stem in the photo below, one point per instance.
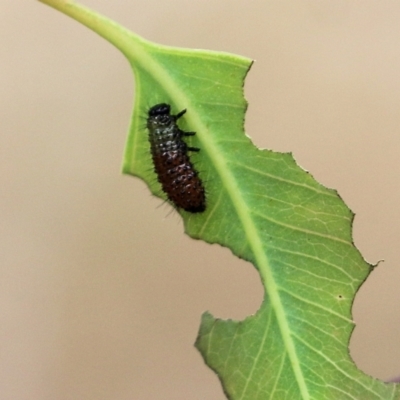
(123, 39)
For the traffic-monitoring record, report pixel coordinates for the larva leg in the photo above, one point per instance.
(177, 116)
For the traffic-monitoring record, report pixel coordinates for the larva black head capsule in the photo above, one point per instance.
(160, 109)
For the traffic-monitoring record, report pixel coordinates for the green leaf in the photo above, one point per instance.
(268, 211)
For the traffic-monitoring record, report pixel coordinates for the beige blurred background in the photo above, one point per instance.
(100, 292)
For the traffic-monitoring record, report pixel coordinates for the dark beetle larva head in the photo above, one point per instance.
(159, 109)
(159, 116)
